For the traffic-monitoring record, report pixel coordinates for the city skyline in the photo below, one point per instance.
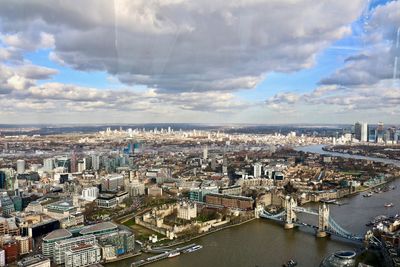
(199, 62)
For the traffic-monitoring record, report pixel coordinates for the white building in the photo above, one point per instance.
(81, 165)
(95, 162)
(112, 181)
(61, 247)
(48, 164)
(2, 258)
(136, 189)
(187, 211)
(364, 132)
(205, 153)
(90, 193)
(257, 170)
(82, 255)
(20, 166)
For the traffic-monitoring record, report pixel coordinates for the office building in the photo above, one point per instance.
(205, 153)
(136, 189)
(90, 193)
(48, 164)
(6, 204)
(107, 201)
(121, 242)
(3, 180)
(257, 170)
(96, 162)
(198, 194)
(112, 182)
(50, 239)
(364, 132)
(20, 166)
(60, 209)
(357, 131)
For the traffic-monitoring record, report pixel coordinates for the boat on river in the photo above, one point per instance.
(388, 205)
(290, 263)
(174, 254)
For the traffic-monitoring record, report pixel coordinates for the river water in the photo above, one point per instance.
(266, 243)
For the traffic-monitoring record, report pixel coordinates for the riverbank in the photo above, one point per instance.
(207, 233)
(123, 257)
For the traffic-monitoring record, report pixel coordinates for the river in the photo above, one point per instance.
(318, 149)
(266, 243)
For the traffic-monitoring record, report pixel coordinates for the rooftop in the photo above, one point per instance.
(57, 234)
(104, 226)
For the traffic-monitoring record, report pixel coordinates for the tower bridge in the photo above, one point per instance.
(326, 224)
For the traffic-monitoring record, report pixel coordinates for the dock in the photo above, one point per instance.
(164, 253)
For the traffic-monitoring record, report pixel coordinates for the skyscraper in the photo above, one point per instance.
(357, 131)
(364, 132)
(257, 170)
(20, 166)
(205, 152)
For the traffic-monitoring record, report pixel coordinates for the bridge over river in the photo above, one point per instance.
(325, 225)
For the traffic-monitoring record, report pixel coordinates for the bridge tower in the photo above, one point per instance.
(323, 220)
(290, 203)
(258, 210)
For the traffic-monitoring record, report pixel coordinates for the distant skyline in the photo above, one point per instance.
(153, 61)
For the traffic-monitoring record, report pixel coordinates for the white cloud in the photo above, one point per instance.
(181, 46)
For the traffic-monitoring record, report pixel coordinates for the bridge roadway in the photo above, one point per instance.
(334, 228)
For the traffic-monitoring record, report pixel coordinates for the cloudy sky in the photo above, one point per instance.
(203, 61)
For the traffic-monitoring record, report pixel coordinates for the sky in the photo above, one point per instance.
(199, 61)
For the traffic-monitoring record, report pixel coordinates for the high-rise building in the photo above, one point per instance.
(95, 162)
(48, 164)
(257, 170)
(205, 152)
(2, 258)
(20, 166)
(380, 132)
(357, 131)
(3, 180)
(364, 132)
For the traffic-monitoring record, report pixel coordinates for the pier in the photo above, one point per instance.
(164, 253)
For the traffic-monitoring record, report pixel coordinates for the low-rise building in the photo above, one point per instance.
(234, 190)
(107, 201)
(60, 209)
(35, 261)
(154, 191)
(90, 193)
(233, 202)
(187, 211)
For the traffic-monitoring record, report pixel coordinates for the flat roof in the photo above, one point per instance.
(57, 234)
(98, 227)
